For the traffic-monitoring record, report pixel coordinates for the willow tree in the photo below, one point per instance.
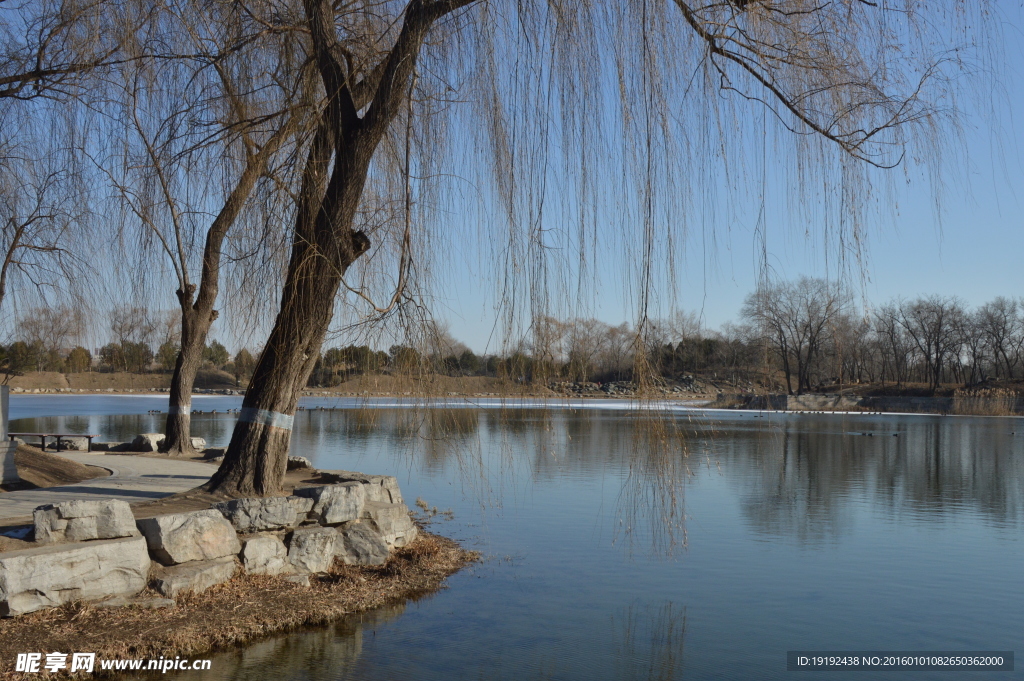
(622, 114)
(195, 130)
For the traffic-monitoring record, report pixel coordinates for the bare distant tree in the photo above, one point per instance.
(1000, 324)
(933, 324)
(795, 318)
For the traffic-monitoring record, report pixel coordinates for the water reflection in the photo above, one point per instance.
(329, 653)
(795, 475)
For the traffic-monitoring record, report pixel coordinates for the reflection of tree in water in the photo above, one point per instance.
(651, 642)
(328, 653)
(799, 477)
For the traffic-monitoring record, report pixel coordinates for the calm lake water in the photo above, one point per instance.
(612, 554)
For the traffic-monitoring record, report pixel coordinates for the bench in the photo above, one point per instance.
(42, 438)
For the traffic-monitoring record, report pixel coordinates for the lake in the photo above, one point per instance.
(659, 543)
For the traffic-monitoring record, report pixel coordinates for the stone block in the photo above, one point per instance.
(248, 516)
(74, 444)
(302, 506)
(197, 576)
(312, 549)
(49, 576)
(298, 462)
(147, 442)
(198, 444)
(8, 469)
(181, 537)
(84, 520)
(360, 544)
(382, 488)
(265, 554)
(334, 504)
(392, 521)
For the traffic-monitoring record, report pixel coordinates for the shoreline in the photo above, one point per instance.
(245, 609)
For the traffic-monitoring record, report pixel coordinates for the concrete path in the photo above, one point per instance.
(133, 479)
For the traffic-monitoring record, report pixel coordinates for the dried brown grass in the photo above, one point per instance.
(244, 609)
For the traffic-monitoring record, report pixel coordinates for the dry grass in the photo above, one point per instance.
(37, 469)
(985, 402)
(238, 612)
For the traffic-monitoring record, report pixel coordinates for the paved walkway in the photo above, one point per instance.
(133, 478)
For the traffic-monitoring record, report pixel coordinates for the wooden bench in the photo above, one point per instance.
(42, 438)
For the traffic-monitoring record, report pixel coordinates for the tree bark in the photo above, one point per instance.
(195, 327)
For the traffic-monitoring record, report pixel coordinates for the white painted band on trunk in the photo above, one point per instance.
(274, 419)
(183, 409)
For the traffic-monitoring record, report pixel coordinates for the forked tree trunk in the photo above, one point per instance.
(324, 244)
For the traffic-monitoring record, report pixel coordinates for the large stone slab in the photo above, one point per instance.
(265, 554)
(334, 504)
(312, 549)
(249, 516)
(359, 544)
(382, 488)
(392, 521)
(82, 520)
(49, 576)
(197, 576)
(181, 537)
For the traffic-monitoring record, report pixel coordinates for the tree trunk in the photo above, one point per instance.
(195, 326)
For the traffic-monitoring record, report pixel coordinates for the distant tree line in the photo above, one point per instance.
(46, 340)
(796, 336)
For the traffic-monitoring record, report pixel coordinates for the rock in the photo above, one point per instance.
(49, 576)
(102, 446)
(198, 444)
(84, 520)
(265, 554)
(148, 603)
(249, 516)
(360, 544)
(216, 459)
(74, 444)
(298, 462)
(147, 442)
(302, 506)
(181, 537)
(214, 452)
(312, 549)
(334, 504)
(383, 488)
(119, 447)
(392, 521)
(197, 576)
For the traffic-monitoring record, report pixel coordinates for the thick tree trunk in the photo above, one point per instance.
(195, 326)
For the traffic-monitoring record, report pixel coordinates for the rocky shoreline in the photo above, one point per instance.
(97, 558)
